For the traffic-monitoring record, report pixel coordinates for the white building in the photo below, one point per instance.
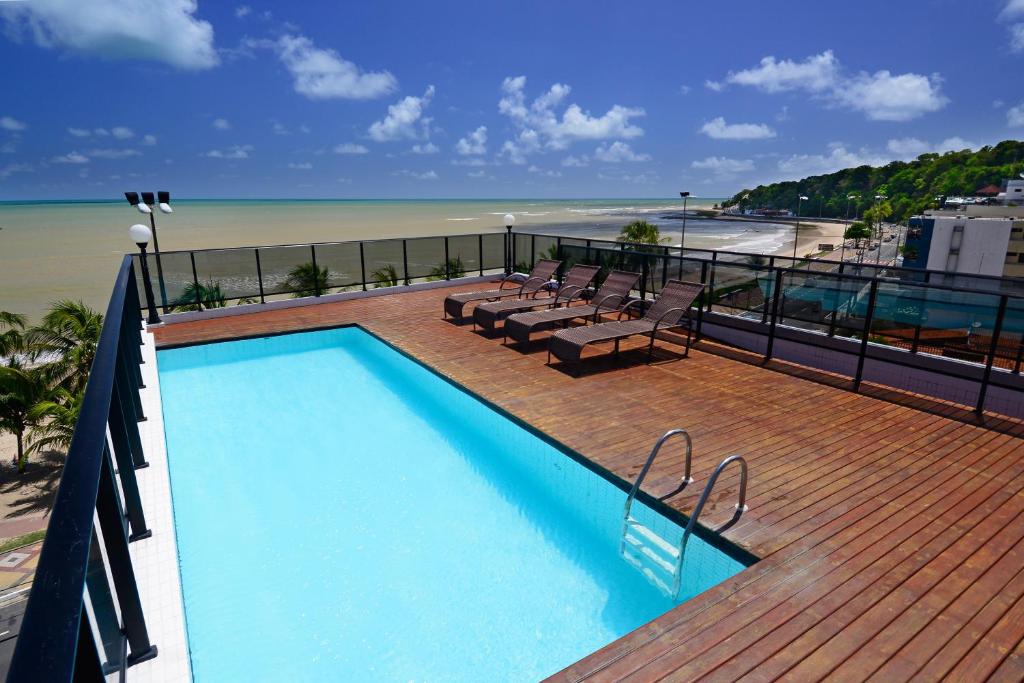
(965, 244)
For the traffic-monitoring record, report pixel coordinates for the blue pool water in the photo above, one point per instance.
(344, 514)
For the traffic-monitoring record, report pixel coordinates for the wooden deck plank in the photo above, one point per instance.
(890, 525)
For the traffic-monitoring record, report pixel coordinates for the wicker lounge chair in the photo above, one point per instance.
(579, 277)
(609, 298)
(542, 272)
(669, 310)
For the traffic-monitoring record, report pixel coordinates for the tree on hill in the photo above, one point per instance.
(911, 186)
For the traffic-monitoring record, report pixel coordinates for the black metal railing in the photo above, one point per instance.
(84, 619)
(982, 327)
(212, 278)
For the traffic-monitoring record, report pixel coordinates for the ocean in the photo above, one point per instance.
(71, 250)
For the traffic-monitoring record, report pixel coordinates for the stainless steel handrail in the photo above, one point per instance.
(741, 507)
(687, 479)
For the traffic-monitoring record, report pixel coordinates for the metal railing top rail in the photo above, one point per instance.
(769, 268)
(47, 642)
(331, 243)
(1014, 281)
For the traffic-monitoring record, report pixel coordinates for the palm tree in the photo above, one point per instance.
(12, 329)
(641, 232)
(198, 296)
(21, 388)
(67, 340)
(452, 268)
(54, 418)
(385, 276)
(307, 279)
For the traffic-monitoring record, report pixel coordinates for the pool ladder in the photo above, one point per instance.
(656, 558)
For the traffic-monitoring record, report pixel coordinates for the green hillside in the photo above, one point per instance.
(911, 186)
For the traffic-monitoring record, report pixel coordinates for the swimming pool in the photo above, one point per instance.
(344, 513)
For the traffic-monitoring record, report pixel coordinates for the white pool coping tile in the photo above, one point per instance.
(156, 558)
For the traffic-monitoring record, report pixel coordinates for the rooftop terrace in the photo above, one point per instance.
(890, 526)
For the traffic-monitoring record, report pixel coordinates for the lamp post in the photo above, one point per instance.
(849, 198)
(796, 237)
(878, 253)
(163, 199)
(510, 220)
(141, 235)
(682, 237)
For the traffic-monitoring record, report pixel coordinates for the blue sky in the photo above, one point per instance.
(490, 99)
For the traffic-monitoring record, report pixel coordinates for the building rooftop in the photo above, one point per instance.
(890, 526)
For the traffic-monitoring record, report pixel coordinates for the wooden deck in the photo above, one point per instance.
(890, 527)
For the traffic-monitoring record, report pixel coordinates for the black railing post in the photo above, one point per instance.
(405, 262)
(480, 252)
(259, 276)
(862, 355)
(533, 249)
(447, 269)
(126, 469)
(87, 655)
(664, 266)
(1020, 355)
(643, 276)
(195, 282)
(765, 307)
(588, 251)
(700, 304)
(316, 270)
(776, 295)
(711, 278)
(116, 543)
(125, 378)
(508, 250)
(993, 349)
(362, 263)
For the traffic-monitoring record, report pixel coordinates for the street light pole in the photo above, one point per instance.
(510, 220)
(682, 238)
(141, 235)
(146, 206)
(796, 237)
(878, 254)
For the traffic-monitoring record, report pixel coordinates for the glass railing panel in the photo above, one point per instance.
(224, 277)
(287, 270)
(464, 255)
(426, 258)
(341, 263)
(385, 265)
(494, 252)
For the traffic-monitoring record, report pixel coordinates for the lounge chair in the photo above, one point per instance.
(579, 277)
(609, 298)
(542, 272)
(668, 311)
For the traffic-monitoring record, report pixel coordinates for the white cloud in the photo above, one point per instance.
(113, 153)
(1015, 116)
(684, 90)
(881, 96)
(911, 148)
(718, 129)
(471, 161)
(122, 133)
(1014, 9)
(166, 31)
(428, 148)
(350, 148)
(714, 86)
(243, 11)
(280, 129)
(300, 166)
(618, 152)
(1017, 37)
(544, 172)
(426, 175)
(12, 124)
(320, 73)
(222, 124)
(815, 74)
(233, 152)
(539, 123)
(576, 162)
(723, 168)
(474, 142)
(526, 143)
(71, 158)
(402, 119)
(10, 169)
(839, 157)
(149, 140)
(80, 132)
(479, 174)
